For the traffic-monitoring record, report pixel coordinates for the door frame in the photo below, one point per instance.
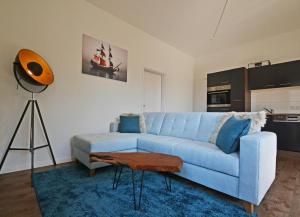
(163, 88)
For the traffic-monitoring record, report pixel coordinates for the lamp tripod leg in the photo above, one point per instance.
(45, 131)
(32, 141)
(31, 148)
(15, 133)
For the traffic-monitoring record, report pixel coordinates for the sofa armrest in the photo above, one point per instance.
(257, 165)
(113, 127)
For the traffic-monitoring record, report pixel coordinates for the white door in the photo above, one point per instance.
(152, 92)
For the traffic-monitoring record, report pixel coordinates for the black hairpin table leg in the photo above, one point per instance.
(137, 205)
(168, 182)
(117, 176)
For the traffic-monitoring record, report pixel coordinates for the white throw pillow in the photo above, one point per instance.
(226, 116)
(142, 123)
(258, 120)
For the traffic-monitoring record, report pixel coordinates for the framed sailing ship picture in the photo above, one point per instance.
(103, 59)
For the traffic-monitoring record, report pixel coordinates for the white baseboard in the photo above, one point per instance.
(41, 163)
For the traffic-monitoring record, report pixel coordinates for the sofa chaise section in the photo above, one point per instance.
(83, 145)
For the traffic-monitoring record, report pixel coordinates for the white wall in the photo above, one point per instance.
(281, 100)
(280, 48)
(77, 103)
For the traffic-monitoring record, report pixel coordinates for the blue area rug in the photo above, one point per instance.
(70, 192)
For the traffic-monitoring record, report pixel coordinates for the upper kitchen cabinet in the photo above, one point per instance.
(219, 78)
(238, 83)
(240, 95)
(290, 73)
(274, 76)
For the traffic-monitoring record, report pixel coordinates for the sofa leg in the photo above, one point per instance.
(92, 172)
(249, 207)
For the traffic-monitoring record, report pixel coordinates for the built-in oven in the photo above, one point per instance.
(218, 96)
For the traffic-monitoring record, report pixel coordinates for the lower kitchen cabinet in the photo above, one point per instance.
(288, 134)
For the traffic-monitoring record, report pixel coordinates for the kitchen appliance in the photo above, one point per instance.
(286, 118)
(218, 96)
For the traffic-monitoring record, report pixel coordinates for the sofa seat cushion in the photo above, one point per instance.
(160, 144)
(207, 155)
(105, 142)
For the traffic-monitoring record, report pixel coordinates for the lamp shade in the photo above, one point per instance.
(32, 72)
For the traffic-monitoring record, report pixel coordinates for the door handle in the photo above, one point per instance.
(269, 85)
(284, 84)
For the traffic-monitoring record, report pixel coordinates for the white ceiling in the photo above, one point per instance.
(189, 24)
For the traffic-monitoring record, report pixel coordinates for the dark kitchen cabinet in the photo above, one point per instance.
(288, 137)
(238, 105)
(275, 76)
(219, 78)
(262, 78)
(238, 84)
(290, 73)
(239, 93)
(288, 134)
(220, 109)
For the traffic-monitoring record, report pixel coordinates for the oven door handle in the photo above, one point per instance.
(216, 92)
(219, 105)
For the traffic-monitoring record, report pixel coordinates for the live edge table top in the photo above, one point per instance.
(140, 161)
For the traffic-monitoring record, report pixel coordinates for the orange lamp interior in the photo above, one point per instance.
(27, 57)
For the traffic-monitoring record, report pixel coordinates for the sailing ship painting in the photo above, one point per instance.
(103, 59)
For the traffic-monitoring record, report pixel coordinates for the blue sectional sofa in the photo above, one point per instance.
(247, 174)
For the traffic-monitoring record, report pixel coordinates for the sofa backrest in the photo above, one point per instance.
(183, 125)
(154, 121)
(208, 123)
(189, 125)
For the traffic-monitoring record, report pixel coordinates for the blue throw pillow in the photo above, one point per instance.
(129, 124)
(228, 139)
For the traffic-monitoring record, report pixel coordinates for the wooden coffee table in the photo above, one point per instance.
(156, 162)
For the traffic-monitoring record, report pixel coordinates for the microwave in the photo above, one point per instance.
(218, 96)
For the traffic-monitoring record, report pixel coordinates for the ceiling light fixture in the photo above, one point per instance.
(220, 19)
